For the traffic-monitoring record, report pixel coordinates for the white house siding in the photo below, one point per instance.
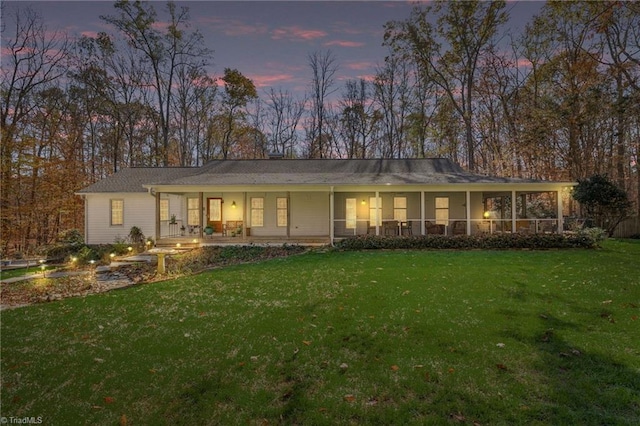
(139, 210)
(309, 214)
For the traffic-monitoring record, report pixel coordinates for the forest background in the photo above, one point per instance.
(560, 102)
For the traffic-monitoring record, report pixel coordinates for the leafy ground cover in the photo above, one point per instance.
(375, 337)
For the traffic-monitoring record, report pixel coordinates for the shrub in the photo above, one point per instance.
(468, 242)
(136, 236)
(597, 234)
(70, 237)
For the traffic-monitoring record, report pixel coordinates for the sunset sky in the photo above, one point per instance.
(270, 41)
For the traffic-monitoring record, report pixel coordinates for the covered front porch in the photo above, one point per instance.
(319, 216)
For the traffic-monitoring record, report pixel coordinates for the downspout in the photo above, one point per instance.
(157, 216)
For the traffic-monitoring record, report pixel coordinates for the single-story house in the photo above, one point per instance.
(315, 201)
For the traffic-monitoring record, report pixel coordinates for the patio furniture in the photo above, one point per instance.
(483, 227)
(459, 227)
(390, 227)
(433, 228)
(232, 228)
(406, 228)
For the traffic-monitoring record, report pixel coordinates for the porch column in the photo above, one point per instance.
(423, 228)
(200, 209)
(245, 217)
(560, 218)
(157, 216)
(378, 212)
(468, 207)
(514, 211)
(288, 214)
(331, 214)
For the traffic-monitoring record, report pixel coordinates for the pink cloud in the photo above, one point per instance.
(344, 43)
(364, 65)
(296, 33)
(523, 63)
(233, 27)
(92, 34)
(269, 80)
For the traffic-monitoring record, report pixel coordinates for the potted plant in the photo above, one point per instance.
(172, 221)
(182, 229)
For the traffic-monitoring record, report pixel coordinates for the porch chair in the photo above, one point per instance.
(433, 228)
(406, 228)
(459, 227)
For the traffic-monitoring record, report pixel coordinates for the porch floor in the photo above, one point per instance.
(186, 242)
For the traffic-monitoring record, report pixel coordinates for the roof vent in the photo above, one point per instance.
(276, 156)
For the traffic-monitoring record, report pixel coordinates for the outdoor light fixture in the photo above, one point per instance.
(194, 241)
(112, 255)
(486, 215)
(363, 202)
(233, 205)
(130, 248)
(178, 245)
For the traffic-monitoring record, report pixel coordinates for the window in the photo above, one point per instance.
(350, 213)
(281, 211)
(164, 209)
(442, 210)
(400, 209)
(257, 212)
(117, 212)
(374, 217)
(193, 211)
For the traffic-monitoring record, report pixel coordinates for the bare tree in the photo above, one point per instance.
(164, 52)
(323, 69)
(283, 116)
(392, 92)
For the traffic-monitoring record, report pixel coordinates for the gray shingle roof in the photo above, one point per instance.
(132, 179)
(297, 172)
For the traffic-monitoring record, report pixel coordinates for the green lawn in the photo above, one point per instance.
(393, 337)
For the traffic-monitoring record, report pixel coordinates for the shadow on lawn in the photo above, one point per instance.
(586, 388)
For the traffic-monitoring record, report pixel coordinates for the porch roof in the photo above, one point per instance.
(281, 172)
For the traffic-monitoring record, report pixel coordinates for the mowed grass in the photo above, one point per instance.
(391, 337)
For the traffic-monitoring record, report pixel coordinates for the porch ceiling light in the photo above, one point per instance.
(363, 202)
(233, 205)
